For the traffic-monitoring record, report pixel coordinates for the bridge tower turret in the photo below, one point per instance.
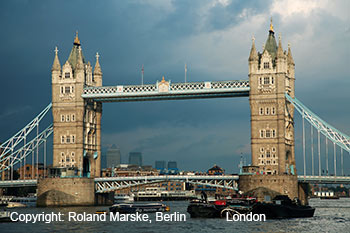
(271, 75)
(76, 122)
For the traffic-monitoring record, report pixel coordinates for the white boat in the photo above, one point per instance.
(15, 204)
(122, 198)
(160, 194)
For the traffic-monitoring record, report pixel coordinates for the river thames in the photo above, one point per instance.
(330, 216)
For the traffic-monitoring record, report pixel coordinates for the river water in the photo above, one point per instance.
(330, 216)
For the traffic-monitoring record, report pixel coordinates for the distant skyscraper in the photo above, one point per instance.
(113, 156)
(135, 158)
(160, 165)
(172, 165)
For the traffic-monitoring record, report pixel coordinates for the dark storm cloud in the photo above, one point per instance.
(211, 36)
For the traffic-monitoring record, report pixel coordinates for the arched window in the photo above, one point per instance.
(261, 111)
(273, 111)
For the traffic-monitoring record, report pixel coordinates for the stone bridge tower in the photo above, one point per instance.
(271, 75)
(76, 122)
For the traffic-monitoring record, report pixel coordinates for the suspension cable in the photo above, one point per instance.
(319, 153)
(312, 150)
(304, 146)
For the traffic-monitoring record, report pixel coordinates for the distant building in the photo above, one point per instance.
(29, 172)
(135, 158)
(134, 170)
(160, 165)
(172, 165)
(172, 168)
(113, 156)
(216, 170)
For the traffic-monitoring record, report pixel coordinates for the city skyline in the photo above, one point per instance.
(215, 45)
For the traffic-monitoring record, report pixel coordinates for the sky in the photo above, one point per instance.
(213, 37)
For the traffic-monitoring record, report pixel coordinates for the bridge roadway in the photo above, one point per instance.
(106, 184)
(165, 90)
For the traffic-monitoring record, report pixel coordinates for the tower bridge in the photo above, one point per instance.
(78, 94)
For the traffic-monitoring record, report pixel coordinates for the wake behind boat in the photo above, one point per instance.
(142, 208)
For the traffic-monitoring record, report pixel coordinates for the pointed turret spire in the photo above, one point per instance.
(253, 54)
(270, 44)
(56, 66)
(280, 53)
(80, 63)
(271, 25)
(76, 39)
(289, 56)
(97, 69)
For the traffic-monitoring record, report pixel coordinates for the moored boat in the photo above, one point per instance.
(218, 208)
(282, 207)
(123, 198)
(133, 208)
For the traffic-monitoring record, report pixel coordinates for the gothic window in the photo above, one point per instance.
(62, 118)
(268, 161)
(73, 117)
(73, 154)
(62, 90)
(62, 154)
(267, 110)
(268, 133)
(268, 155)
(274, 162)
(67, 159)
(66, 90)
(273, 149)
(266, 80)
(262, 155)
(266, 65)
(68, 139)
(62, 139)
(260, 81)
(71, 89)
(273, 111)
(261, 133)
(73, 139)
(67, 118)
(261, 149)
(272, 80)
(261, 111)
(67, 75)
(273, 133)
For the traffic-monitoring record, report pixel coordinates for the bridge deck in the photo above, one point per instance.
(164, 90)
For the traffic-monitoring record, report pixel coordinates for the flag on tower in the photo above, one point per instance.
(142, 75)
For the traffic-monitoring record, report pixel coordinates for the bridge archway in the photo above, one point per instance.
(86, 167)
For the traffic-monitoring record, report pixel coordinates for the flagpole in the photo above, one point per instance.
(185, 73)
(142, 75)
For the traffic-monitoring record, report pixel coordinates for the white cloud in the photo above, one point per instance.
(287, 8)
(224, 3)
